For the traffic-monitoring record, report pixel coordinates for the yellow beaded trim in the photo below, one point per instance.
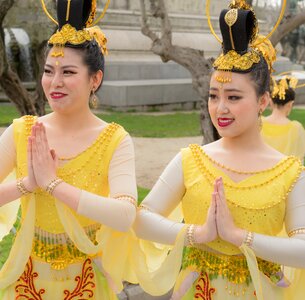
(296, 231)
(52, 185)
(128, 198)
(57, 249)
(21, 187)
(197, 147)
(234, 268)
(101, 143)
(198, 153)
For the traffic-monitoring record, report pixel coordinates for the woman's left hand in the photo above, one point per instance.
(44, 160)
(226, 227)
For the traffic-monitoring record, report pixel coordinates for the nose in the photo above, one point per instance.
(57, 80)
(222, 107)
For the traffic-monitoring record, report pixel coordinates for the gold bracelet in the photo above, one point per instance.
(128, 198)
(21, 187)
(190, 235)
(248, 240)
(296, 231)
(52, 185)
(144, 207)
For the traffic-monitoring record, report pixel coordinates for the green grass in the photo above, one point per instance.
(145, 125)
(162, 126)
(7, 114)
(142, 192)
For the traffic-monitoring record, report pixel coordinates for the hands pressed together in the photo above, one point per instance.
(219, 221)
(42, 161)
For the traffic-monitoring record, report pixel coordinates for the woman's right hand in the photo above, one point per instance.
(208, 231)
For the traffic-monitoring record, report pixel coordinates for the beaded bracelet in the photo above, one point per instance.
(190, 235)
(21, 187)
(127, 198)
(248, 240)
(52, 185)
(296, 231)
(143, 206)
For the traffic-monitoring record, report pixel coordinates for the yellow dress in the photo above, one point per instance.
(288, 139)
(220, 270)
(58, 254)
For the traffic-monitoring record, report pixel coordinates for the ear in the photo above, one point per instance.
(96, 79)
(264, 101)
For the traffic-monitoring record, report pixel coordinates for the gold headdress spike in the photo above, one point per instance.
(75, 21)
(241, 43)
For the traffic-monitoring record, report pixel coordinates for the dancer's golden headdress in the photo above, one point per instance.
(242, 46)
(75, 21)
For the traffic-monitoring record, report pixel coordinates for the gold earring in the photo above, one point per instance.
(93, 100)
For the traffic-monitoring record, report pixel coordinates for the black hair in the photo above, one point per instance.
(289, 96)
(260, 76)
(92, 56)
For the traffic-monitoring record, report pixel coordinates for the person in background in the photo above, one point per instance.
(284, 135)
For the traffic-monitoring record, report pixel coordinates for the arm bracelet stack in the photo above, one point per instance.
(248, 240)
(190, 235)
(52, 185)
(21, 187)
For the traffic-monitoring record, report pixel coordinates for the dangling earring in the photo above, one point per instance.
(93, 100)
(260, 120)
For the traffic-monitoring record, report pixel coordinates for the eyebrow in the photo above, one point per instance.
(64, 67)
(226, 90)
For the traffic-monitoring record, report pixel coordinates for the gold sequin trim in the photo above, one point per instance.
(234, 268)
(58, 249)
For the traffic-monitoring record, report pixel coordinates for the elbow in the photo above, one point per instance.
(126, 218)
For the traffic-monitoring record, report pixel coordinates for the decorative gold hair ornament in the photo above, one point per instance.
(279, 87)
(232, 59)
(69, 34)
(241, 4)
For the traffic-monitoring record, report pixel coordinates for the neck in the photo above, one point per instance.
(249, 141)
(73, 121)
(279, 113)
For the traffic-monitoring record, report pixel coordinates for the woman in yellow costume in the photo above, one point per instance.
(237, 193)
(75, 176)
(278, 131)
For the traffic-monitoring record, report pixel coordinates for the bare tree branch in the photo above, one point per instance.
(289, 24)
(192, 59)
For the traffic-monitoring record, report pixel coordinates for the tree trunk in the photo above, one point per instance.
(25, 102)
(193, 60)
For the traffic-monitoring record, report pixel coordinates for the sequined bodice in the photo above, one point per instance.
(87, 171)
(257, 203)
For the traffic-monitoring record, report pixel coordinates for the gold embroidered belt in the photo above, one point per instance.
(58, 249)
(234, 268)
